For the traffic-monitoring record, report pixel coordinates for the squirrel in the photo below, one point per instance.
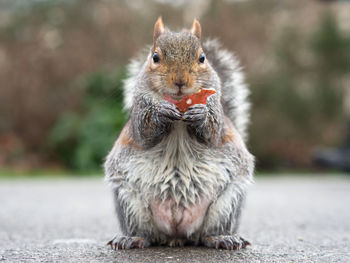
(180, 178)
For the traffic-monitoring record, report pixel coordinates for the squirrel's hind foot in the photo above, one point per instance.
(125, 242)
(232, 242)
(176, 243)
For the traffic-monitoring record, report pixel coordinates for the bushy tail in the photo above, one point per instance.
(133, 69)
(234, 97)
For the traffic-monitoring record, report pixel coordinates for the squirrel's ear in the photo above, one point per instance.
(196, 29)
(158, 29)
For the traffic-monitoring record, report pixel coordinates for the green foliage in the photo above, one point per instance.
(82, 140)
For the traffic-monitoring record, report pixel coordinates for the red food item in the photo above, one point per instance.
(196, 98)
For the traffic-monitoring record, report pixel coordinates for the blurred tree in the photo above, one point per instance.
(332, 47)
(331, 50)
(301, 96)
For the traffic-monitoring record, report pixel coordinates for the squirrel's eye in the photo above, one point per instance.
(201, 58)
(155, 57)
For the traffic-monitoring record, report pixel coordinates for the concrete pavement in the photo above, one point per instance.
(288, 219)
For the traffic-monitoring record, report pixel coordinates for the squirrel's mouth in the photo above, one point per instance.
(179, 95)
(176, 96)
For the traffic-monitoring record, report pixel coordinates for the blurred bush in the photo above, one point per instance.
(82, 138)
(62, 65)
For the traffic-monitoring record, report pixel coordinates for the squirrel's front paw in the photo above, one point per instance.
(196, 115)
(168, 112)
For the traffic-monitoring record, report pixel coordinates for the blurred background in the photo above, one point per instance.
(62, 64)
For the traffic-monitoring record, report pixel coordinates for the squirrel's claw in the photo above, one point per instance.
(169, 111)
(196, 114)
(125, 242)
(232, 242)
(176, 243)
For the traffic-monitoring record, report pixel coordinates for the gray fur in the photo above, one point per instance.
(234, 89)
(172, 54)
(183, 157)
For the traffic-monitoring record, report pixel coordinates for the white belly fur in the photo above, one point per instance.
(180, 178)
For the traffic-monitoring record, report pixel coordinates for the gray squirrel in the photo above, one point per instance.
(180, 177)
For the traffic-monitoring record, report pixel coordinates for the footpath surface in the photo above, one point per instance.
(287, 219)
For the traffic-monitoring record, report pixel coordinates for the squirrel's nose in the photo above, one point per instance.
(179, 84)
